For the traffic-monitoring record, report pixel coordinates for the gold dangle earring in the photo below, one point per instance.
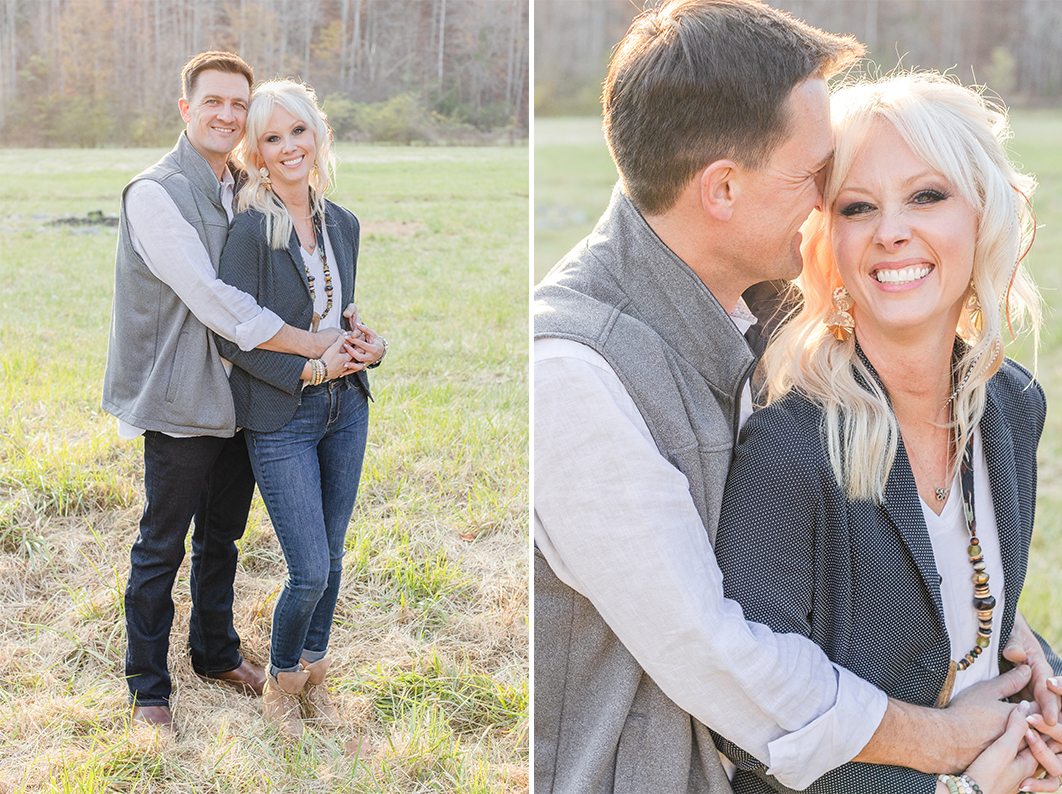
(264, 173)
(973, 308)
(839, 322)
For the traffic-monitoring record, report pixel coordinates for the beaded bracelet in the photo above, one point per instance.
(317, 374)
(951, 782)
(969, 781)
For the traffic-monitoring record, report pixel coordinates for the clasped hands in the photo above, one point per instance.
(352, 350)
(1027, 754)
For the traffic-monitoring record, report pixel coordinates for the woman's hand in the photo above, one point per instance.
(366, 350)
(1044, 742)
(1012, 760)
(335, 358)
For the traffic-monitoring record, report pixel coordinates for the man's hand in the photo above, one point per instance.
(1023, 648)
(945, 740)
(978, 715)
(325, 338)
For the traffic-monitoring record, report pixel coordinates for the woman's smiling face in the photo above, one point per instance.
(903, 239)
(287, 148)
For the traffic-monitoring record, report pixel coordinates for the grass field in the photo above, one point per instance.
(430, 646)
(573, 180)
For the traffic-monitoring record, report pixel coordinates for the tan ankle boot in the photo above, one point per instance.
(281, 701)
(318, 704)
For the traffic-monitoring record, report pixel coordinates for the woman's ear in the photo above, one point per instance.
(720, 187)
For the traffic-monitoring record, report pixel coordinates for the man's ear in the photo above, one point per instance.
(182, 103)
(720, 186)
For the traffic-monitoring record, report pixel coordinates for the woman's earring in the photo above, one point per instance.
(973, 308)
(265, 176)
(839, 322)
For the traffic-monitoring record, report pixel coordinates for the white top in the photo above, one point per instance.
(173, 252)
(950, 538)
(616, 522)
(312, 262)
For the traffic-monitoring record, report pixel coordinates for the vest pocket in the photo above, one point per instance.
(178, 366)
(631, 756)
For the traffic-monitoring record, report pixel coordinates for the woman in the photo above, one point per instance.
(903, 441)
(306, 421)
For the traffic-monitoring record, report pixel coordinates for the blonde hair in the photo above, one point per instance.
(958, 133)
(301, 102)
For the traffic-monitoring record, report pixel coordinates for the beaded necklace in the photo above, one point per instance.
(327, 275)
(983, 600)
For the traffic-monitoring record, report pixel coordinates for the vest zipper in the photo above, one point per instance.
(736, 422)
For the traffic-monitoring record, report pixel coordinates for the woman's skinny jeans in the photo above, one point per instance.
(308, 473)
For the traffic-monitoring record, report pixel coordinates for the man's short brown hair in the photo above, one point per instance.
(219, 62)
(695, 81)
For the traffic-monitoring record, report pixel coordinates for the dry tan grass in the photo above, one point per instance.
(62, 699)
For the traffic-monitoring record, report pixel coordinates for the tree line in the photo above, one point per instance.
(1013, 46)
(107, 72)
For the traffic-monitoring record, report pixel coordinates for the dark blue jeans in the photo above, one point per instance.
(308, 473)
(208, 479)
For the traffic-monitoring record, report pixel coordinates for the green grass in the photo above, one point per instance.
(573, 180)
(574, 176)
(430, 645)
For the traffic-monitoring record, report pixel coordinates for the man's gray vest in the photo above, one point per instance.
(163, 368)
(601, 724)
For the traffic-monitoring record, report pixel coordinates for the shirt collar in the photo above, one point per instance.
(743, 318)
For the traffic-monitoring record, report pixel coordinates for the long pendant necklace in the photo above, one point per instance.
(327, 276)
(983, 600)
(942, 493)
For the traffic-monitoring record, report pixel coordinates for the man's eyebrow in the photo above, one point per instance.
(221, 98)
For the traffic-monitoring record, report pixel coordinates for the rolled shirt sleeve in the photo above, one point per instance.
(616, 522)
(179, 259)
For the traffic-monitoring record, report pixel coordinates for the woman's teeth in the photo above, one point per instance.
(902, 276)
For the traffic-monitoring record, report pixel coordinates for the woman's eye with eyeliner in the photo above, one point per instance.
(929, 197)
(855, 208)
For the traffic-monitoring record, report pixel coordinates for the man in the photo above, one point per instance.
(717, 117)
(165, 380)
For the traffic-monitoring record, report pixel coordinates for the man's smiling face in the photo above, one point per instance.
(216, 113)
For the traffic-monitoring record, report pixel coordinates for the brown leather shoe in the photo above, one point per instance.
(154, 717)
(249, 678)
